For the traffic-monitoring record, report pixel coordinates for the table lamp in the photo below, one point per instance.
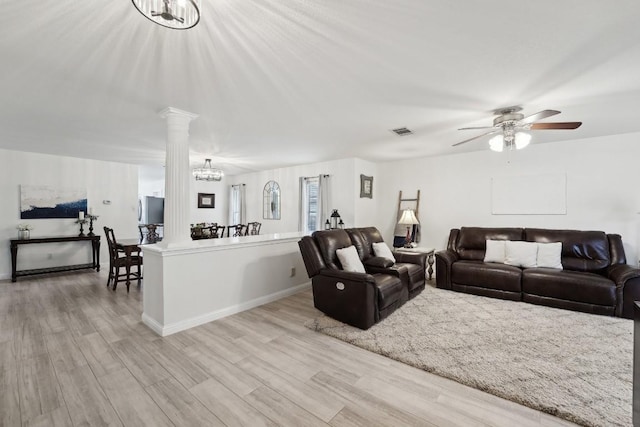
(409, 219)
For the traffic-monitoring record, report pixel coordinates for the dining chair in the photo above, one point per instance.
(253, 228)
(235, 230)
(219, 231)
(152, 233)
(142, 228)
(120, 258)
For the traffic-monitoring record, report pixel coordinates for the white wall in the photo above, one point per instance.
(344, 193)
(220, 212)
(602, 194)
(341, 197)
(241, 273)
(366, 209)
(151, 183)
(116, 182)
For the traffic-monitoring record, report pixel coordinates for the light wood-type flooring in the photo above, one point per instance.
(74, 353)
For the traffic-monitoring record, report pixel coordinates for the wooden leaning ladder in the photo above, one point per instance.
(401, 230)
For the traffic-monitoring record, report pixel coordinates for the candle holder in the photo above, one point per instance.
(91, 219)
(82, 222)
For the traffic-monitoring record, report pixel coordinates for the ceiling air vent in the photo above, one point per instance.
(402, 131)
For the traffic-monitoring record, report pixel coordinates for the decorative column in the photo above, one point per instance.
(177, 175)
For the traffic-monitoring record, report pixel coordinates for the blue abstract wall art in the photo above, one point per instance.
(42, 201)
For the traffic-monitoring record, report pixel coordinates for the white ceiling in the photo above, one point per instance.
(279, 83)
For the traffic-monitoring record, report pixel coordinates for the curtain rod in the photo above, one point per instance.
(324, 175)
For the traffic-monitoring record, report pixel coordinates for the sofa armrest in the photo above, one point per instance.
(411, 258)
(444, 261)
(347, 296)
(627, 280)
(378, 262)
(351, 276)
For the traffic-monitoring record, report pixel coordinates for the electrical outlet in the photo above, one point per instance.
(293, 272)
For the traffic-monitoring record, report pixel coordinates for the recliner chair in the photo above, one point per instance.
(359, 299)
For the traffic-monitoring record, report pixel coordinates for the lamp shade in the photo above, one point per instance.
(496, 143)
(522, 140)
(408, 218)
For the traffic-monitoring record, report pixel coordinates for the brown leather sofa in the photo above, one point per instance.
(595, 277)
(359, 299)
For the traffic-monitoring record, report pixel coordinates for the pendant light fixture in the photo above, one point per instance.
(208, 172)
(175, 14)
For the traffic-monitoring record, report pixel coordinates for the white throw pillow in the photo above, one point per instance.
(521, 254)
(495, 251)
(350, 260)
(550, 255)
(382, 250)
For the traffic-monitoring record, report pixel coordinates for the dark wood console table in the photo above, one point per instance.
(95, 249)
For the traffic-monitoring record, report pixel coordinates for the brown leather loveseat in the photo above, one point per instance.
(359, 299)
(594, 278)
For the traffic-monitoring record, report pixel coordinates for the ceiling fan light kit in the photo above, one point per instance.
(174, 14)
(517, 141)
(510, 122)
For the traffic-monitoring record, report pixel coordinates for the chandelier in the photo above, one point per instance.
(208, 172)
(176, 14)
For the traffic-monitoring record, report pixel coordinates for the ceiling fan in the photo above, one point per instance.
(166, 13)
(511, 123)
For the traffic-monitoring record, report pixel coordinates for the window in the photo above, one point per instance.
(310, 205)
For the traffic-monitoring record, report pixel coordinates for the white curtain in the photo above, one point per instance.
(324, 208)
(302, 205)
(237, 204)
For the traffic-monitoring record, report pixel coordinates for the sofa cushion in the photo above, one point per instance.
(416, 275)
(550, 255)
(350, 260)
(568, 285)
(521, 254)
(495, 251)
(389, 289)
(581, 250)
(472, 240)
(363, 239)
(486, 275)
(329, 241)
(358, 240)
(382, 250)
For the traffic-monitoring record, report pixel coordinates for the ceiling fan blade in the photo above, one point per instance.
(558, 125)
(539, 116)
(476, 137)
(477, 127)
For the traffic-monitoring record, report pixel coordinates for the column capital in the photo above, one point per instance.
(175, 112)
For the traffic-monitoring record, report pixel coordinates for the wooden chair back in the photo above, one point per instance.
(236, 230)
(111, 242)
(253, 228)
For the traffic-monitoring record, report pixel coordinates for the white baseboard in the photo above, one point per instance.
(182, 325)
(4, 276)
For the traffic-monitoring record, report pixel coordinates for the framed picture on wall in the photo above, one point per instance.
(206, 200)
(366, 186)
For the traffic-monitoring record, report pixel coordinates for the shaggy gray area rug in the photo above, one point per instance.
(576, 366)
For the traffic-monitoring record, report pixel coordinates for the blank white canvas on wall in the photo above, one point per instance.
(544, 194)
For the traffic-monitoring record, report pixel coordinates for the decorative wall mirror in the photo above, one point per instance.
(271, 201)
